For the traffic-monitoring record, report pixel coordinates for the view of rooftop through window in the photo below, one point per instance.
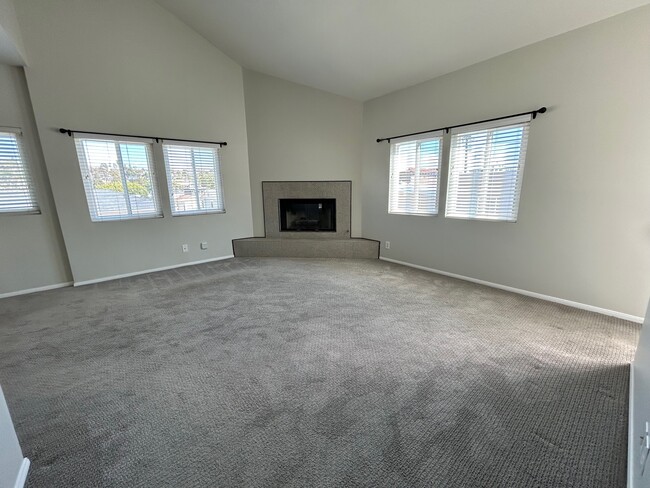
(486, 169)
(118, 179)
(414, 178)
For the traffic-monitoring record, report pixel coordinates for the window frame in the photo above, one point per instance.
(86, 174)
(523, 121)
(26, 166)
(419, 140)
(217, 171)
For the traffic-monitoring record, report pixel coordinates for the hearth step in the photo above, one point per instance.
(306, 248)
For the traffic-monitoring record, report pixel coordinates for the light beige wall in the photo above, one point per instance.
(584, 224)
(31, 248)
(300, 133)
(12, 50)
(132, 67)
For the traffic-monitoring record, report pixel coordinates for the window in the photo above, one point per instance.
(194, 178)
(415, 176)
(17, 193)
(486, 167)
(119, 178)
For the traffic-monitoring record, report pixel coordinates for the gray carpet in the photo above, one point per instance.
(289, 372)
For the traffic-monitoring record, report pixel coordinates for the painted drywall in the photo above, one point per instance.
(300, 133)
(32, 254)
(11, 457)
(12, 51)
(583, 231)
(132, 67)
(640, 409)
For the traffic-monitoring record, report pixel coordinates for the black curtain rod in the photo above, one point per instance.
(70, 132)
(534, 113)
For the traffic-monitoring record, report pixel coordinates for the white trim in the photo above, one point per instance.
(439, 134)
(22, 474)
(11, 130)
(548, 298)
(146, 271)
(630, 431)
(173, 142)
(35, 290)
(109, 137)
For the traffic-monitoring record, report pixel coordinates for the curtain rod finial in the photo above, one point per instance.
(541, 110)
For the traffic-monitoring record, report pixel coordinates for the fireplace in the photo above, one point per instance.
(307, 214)
(307, 219)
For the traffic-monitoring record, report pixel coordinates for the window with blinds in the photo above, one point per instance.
(194, 178)
(415, 176)
(17, 192)
(486, 166)
(119, 178)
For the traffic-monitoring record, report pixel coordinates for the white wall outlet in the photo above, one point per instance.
(387, 244)
(204, 245)
(185, 248)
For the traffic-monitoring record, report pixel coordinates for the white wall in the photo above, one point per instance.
(584, 229)
(11, 457)
(640, 406)
(132, 67)
(300, 133)
(32, 252)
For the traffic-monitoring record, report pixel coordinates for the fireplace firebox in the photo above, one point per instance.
(307, 214)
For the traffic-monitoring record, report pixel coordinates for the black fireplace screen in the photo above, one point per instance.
(308, 214)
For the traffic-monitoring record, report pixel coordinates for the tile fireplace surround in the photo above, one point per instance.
(337, 244)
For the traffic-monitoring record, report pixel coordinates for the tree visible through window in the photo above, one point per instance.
(17, 193)
(194, 179)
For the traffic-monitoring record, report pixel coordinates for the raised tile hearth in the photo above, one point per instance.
(308, 219)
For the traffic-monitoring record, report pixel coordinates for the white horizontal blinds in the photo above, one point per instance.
(486, 166)
(415, 176)
(119, 178)
(194, 178)
(17, 192)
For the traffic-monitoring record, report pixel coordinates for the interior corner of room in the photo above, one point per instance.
(152, 71)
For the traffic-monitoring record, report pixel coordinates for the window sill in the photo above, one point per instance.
(414, 214)
(123, 219)
(194, 214)
(22, 212)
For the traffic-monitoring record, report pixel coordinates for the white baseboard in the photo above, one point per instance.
(570, 303)
(146, 271)
(22, 474)
(34, 290)
(630, 431)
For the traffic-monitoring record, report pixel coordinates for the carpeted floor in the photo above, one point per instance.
(292, 372)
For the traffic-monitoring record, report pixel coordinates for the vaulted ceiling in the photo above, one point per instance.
(366, 48)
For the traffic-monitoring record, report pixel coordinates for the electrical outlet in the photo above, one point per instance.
(387, 244)
(185, 248)
(204, 245)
